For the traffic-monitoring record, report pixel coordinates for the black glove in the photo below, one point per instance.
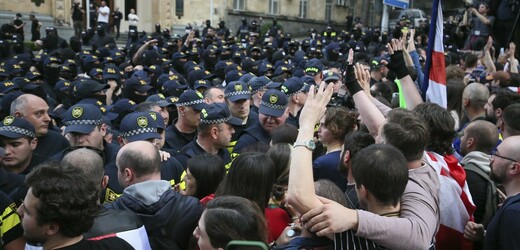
(397, 64)
(351, 82)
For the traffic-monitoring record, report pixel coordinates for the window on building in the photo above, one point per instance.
(344, 3)
(274, 6)
(303, 9)
(239, 4)
(328, 10)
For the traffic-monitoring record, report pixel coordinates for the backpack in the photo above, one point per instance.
(491, 193)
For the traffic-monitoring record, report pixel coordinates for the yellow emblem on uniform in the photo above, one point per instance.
(161, 96)
(8, 120)
(77, 112)
(142, 121)
(143, 82)
(204, 113)
(131, 102)
(284, 89)
(273, 98)
(200, 95)
(174, 99)
(238, 87)
(153, 115)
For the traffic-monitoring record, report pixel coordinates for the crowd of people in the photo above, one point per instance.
(192, 142)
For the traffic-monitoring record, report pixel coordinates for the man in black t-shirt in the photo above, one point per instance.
(60, 207)
(18, 25)
(77, 18)
(35, 28)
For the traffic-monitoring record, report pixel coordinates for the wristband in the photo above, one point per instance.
(397, 64)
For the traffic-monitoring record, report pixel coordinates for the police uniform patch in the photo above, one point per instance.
(238, 87)
(77, 112)
(204, 113)
(8, 120)
(174, 99)
(142, 121)
(161, 96)
(200, 95)
(142, 82)
(273, 98)
(153, 115)
(131, 102)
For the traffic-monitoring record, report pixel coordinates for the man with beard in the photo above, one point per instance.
(505, 169)
(60, 207)
(497, 102)
(272, 113)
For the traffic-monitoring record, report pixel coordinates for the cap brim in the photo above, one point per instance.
(270, 111)
(239, 97)
(143, 137)
(143, 88)
(111, 76)
(331, 79)
(81, 129)
(235, 121)
(110, 115)
(11, 135)
(199, 106)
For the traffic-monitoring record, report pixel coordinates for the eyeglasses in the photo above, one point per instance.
(495, 154)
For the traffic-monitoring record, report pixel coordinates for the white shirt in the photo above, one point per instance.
(103, 18)
(132, 19)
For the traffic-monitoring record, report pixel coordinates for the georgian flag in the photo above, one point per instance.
(435, 76)
(455, 202)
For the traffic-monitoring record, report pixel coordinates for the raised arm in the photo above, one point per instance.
(398, 66)
(300, 193)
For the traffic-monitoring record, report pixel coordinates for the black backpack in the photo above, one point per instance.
(491, 193)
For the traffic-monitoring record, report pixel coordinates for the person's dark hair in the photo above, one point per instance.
(328, 189)
(66, 198)
(141, 163)
(284, 133)
(339, 121)
(504, 98)
(204, 129)
(454, 89)
(354, 142)
(485, 135)
(258, 147)
(209, 172)
(228, 218)
(470, 60)
(406, 131)
(251, 176)
(454, 72)
(441, 125)
(512, 119)
(382, 169)
(280, 155)
(385, 90)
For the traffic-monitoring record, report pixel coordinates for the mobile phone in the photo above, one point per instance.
(246, 245)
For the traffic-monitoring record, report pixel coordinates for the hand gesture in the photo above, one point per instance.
(489, 43)
(474, 231)
(329, 218)
(315, 105)
(363, 77)
(512, 49)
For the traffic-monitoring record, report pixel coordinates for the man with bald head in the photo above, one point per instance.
(36, 111)
(502, 230)
(108, 221)
(479, 139)
(169, 217)
(474, 98)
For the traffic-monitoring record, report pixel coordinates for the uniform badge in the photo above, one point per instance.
(77, 112)
(8, 120)
(273, 98)
(142, 121)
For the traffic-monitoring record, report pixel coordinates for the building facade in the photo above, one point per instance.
(297, 16)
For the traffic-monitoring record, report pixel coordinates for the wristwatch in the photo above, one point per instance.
(309, 144)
